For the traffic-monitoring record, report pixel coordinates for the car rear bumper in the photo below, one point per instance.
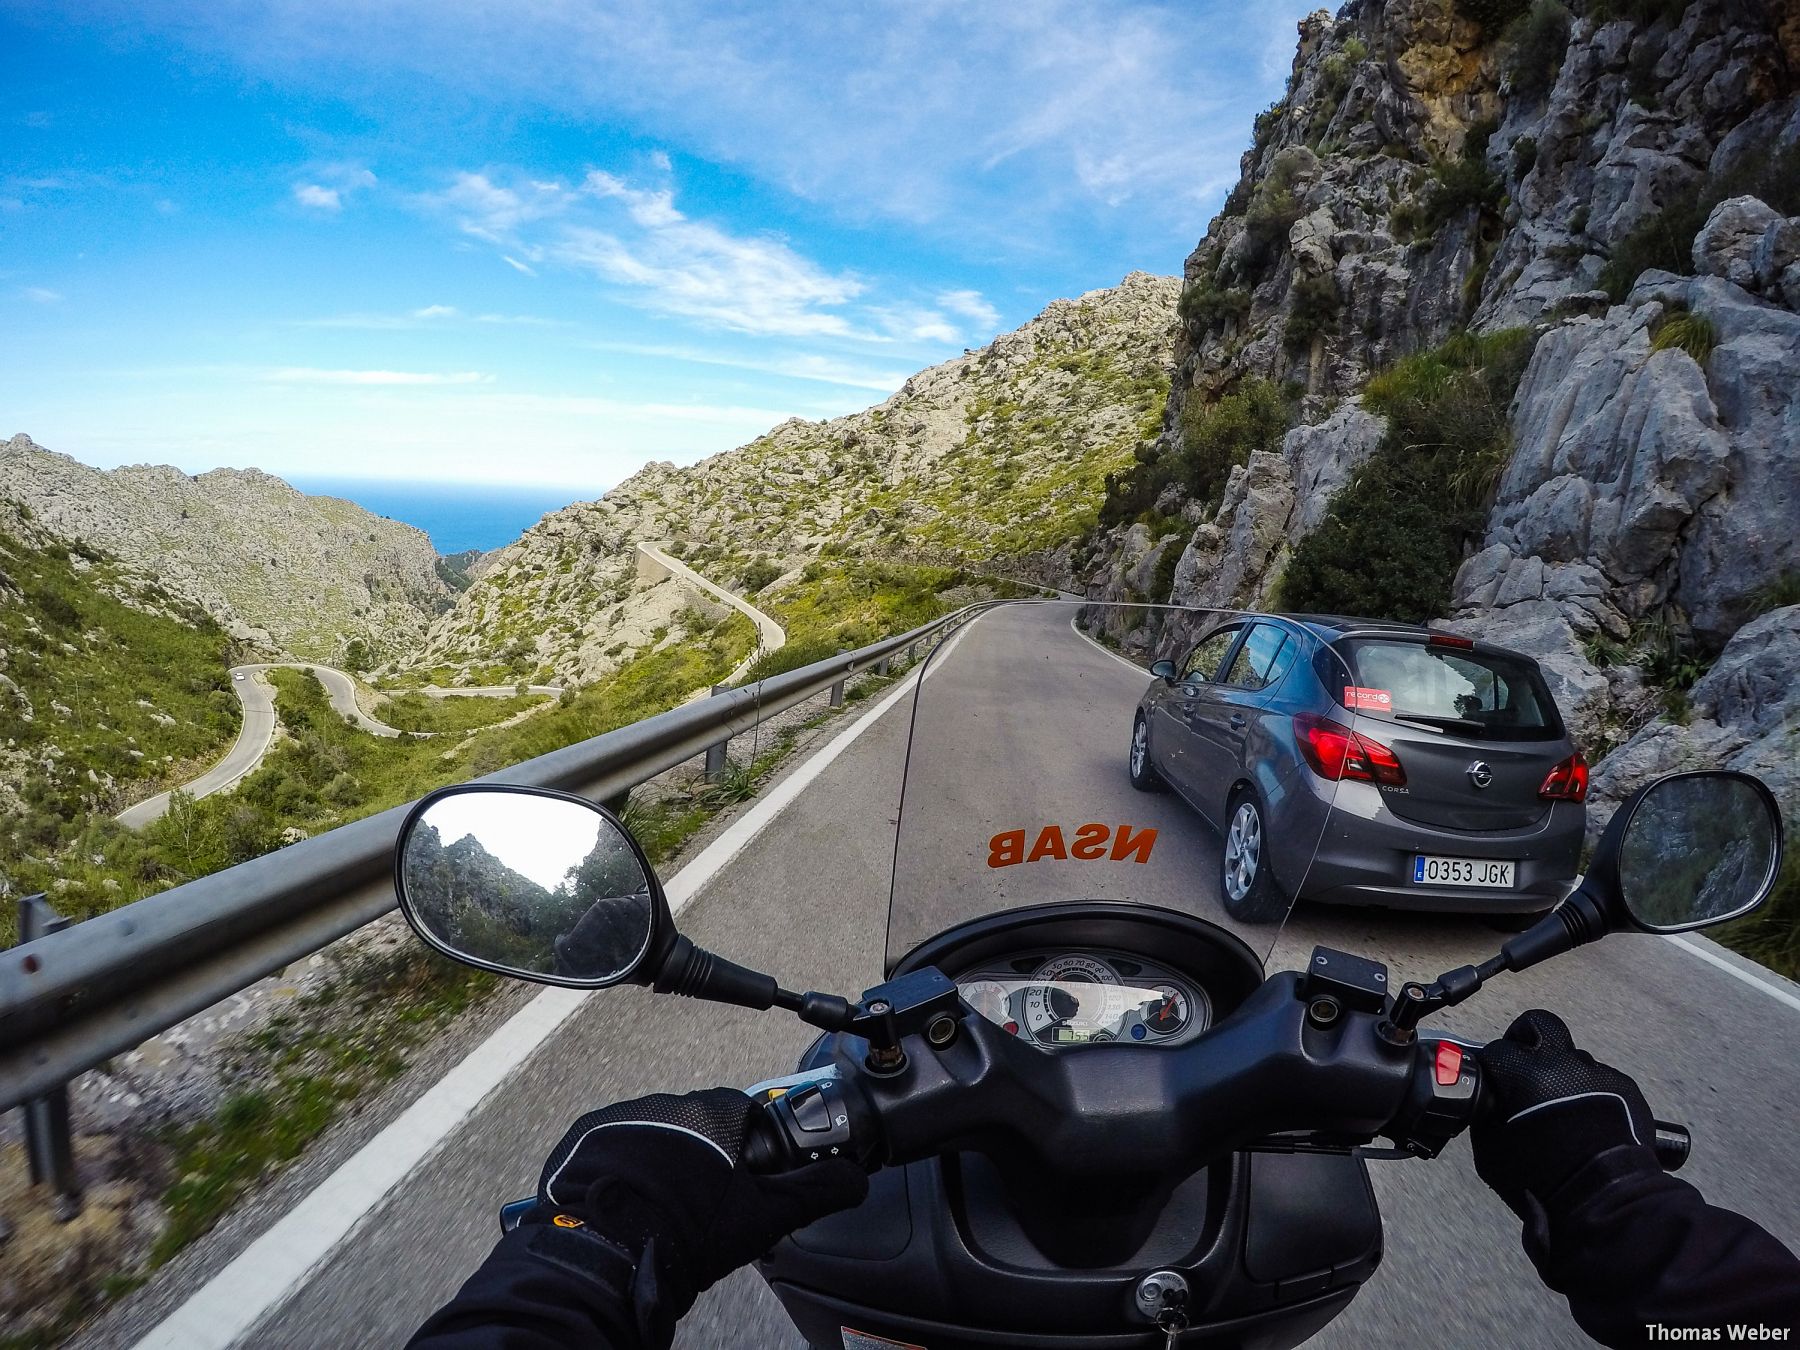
(1365, 857)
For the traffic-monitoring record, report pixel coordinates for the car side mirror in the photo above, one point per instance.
(1164, 671)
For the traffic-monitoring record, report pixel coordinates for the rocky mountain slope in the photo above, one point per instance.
(281, 570)
(996, 456)
(1496, 329)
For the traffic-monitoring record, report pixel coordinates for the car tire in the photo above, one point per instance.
(1247, 884)
(1144, 776)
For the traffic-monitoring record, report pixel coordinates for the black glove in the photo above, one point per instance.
(1556, 1109)
(663, 1179)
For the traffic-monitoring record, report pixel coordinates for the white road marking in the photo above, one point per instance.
(262, 1276)
(1736, 972)
(1136, 669)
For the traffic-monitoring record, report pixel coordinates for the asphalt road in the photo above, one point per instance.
(807, 899)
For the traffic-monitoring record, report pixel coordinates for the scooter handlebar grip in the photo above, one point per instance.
(1672, 1143)
(765, 1149)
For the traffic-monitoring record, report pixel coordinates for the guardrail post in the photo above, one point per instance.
(715, 754)
(837, 694)
(49, 1142)
(881, 666)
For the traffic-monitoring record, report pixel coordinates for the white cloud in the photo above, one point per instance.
(314, 375)
(319, 197)
(636, 240)
(802, 366)
(970, 305)
(517, 266)
(435, 312)
(331, 184)
(41, 295)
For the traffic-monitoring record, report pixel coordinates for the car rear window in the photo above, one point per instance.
(1480, 694)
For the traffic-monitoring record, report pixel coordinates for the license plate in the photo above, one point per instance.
(1428, 871)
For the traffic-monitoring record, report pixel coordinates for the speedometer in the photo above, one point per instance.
(1073, 1000)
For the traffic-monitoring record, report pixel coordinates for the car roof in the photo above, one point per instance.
(1331, 628)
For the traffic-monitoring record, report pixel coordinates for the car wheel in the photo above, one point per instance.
(1246, 882)
(1144, 776)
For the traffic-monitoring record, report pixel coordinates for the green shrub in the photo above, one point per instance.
(1391, 540)
(1217, 436)
(1208, 307)
(1536, 45)
(756, 574)
(1162, 581)
(1778, 594)
(1524, 155)
(1315, 310)
(1273, 207)
(1456, 186)
(1692, 333)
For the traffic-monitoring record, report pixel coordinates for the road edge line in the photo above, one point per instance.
(1122, 660)
(1736, 971)
(260, 1278)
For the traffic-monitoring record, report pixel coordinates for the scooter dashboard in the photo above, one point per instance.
(1063, 1000)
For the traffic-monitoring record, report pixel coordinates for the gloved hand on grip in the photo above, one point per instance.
(663, 1179)
(1556, 1109)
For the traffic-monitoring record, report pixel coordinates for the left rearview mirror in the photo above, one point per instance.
(1163, 670)
(539, 885)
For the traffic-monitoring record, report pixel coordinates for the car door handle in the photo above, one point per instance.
(1238, 719)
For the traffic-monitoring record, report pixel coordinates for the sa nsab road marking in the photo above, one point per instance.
(265, 1273)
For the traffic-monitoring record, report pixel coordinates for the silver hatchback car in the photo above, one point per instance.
(1433, 769)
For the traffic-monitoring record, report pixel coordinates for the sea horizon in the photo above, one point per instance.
(457, 516)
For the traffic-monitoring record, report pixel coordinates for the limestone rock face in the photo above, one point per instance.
(282, 570)
(1745, 715)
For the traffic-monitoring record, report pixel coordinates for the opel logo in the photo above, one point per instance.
(1479, 774)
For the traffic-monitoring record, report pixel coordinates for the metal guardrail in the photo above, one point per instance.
(70, 1000)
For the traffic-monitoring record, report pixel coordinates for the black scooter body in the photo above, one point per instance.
(949, 1253)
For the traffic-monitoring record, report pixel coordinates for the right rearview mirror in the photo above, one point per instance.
(1697, 849)
(540, 885)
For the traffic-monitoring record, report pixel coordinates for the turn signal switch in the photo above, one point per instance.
(808, 1122)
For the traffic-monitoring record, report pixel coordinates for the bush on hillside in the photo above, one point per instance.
(1392, 539)
(1536, 45)
(1217, 436)
(1315, 307)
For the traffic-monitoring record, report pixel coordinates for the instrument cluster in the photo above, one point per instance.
(1061, 1000)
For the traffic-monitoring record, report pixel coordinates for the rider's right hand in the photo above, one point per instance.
(1555, 1109)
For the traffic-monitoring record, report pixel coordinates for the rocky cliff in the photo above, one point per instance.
(277, 568)
(1607, 473)
(996, 457)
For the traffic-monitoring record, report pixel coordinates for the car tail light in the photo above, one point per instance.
(1568, 781)
(1336, 752)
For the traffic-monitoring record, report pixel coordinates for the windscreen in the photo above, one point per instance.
(1048, 763)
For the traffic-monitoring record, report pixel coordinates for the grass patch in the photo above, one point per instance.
(1691, 333)
(1391, 540)
(420, 712)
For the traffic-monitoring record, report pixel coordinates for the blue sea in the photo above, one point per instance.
(457, 516)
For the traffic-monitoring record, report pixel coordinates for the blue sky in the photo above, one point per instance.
(544, 242)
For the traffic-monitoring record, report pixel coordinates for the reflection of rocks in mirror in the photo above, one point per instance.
(607, 940)
(1697, 849)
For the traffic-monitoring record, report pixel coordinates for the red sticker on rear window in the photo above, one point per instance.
(1370, 700)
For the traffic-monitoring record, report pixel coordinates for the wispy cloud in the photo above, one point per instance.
(435, 312)
(426, 316)
(972, 306)
(804, 366)
(517, 266)
(41, 295)
(332, 186)
(314, 375)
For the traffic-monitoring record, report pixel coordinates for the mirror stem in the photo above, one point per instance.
(1579, 919)
(694, 972)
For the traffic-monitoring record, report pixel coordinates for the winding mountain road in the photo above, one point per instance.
(798, 885)
(257, 733)
(770, 635)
